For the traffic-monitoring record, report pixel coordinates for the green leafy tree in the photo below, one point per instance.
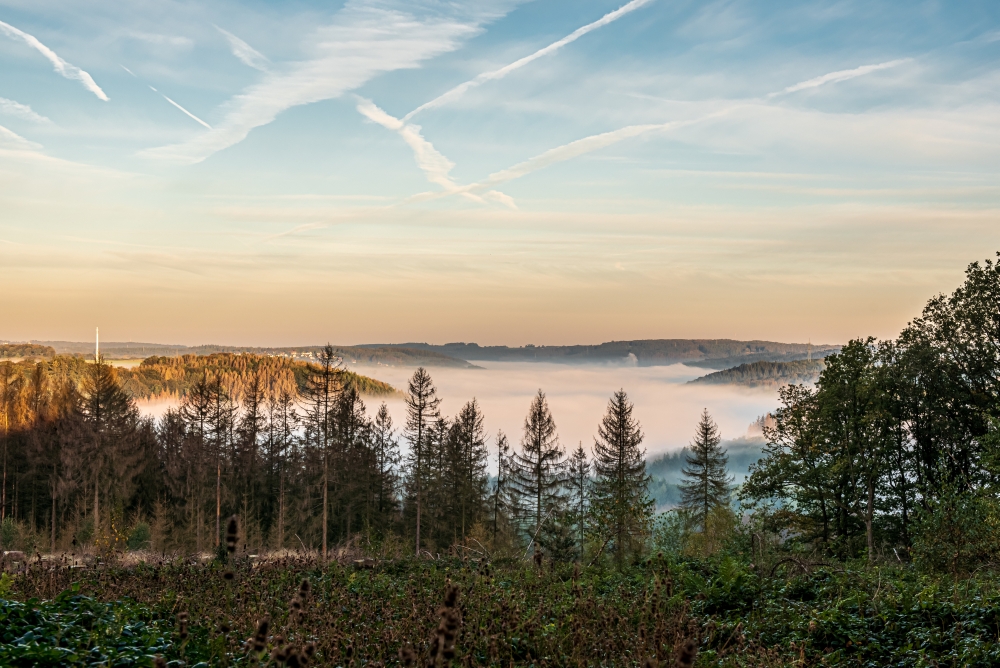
(707, 483)
(620, 499)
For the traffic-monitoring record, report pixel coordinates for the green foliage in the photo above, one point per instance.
(512, 614)
(25, 350)
(765, 373)
(957, 531)
(10, 534)
(707, 484)
(140, 538)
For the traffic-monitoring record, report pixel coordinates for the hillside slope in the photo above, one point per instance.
(174, 376)
(765, 374)
(650, 352)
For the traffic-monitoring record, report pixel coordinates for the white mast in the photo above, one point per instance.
(97, 343)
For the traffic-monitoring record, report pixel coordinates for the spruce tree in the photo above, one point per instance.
(421, 412)
(385, 449)
(111, 417)
(708, 484)
(621, 501)
(579, 487)
(502, 504)
(469, 461)
(321, 390)
(537, 472)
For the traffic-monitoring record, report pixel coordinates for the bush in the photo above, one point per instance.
(10, 534)
(140, 538)
(957, 532)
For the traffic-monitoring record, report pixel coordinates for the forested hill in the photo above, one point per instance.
(766, 374)
(174, 376)
(712, 353)
(366, 355)
(25, 351)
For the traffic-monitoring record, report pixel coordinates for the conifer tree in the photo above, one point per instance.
(621, 500)
(385, 449)
(707, 484)
(579, 487)
(469, 460)
(321, 394)
(501, 489)
(421, 412)
(537, 471)
(111, 417)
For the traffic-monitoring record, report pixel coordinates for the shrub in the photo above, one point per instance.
(140, 538)
(957, 531)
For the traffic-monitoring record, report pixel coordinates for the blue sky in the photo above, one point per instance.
(497, 171)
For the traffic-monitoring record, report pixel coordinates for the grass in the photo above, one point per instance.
(505, 613)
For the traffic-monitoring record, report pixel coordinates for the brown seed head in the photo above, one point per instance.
(687, 654)
(159, 662)
(304, 589)
(407, 656)
(232, 534)
(260, 635)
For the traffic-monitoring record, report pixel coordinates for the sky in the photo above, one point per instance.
(547, 172)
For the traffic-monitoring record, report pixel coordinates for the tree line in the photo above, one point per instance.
(304, 464)
(896, 450)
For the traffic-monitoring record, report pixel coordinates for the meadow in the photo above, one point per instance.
(741, 606)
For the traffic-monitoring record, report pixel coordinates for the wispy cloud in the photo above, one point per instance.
(248, 55)
(175, 41)
(480, 79)
(181, 108)
(841, 75)
(429, 159)
(61, 66)
(13, 141)
(362, 42)
(22, 111)
(596, 142)
(435, 166)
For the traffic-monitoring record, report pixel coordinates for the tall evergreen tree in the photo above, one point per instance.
(421, 412)
(537, 471)
(578, 481)
(111, 417)
(320, 393)
(502, 504)
(707, 484)
(385, 449)
(621, 500)
(469, 460)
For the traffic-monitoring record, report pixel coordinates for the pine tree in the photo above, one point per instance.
(385, 449)
(321, 392)
(502, 504)
(537, 472)
(579, 487)
(708, 484)
(621, 500)
(469, 459)
(111, 418)
(421, 411)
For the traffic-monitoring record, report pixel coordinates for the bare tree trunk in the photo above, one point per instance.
(53, 542)
(97, 514)
(325, 496)
(218, 500)
(869, 520)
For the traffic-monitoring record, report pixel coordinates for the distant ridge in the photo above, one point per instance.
(766, 374)
(377, 356)
(713, 353)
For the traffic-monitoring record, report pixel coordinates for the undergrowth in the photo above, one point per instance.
(501, 614)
